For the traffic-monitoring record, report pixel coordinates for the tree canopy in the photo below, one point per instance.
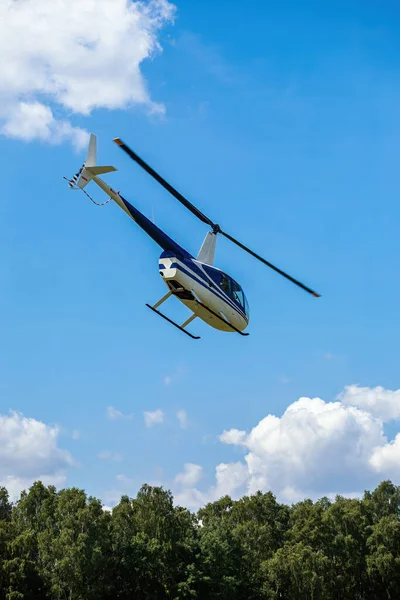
(63, 545)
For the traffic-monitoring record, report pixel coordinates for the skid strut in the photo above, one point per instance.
(154, 308)
(195, 337)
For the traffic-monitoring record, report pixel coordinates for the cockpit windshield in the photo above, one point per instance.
(237, 292)
(246, 306)
(239, 295)
(229, 286)
(234, 290)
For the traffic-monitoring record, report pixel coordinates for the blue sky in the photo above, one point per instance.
(282, 123)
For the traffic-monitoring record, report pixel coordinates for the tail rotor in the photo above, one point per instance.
(89, 168)
(88, 171)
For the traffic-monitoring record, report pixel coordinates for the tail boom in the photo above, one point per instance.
(90, 172)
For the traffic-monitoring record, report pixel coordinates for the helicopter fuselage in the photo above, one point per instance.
(192, 281)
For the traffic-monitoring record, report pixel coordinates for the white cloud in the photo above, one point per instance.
(107, 455)
(113, 414)
(386, 459)
(233, 436)
(167, 380)
(15, 485)
(111, 498)
(191, 475)
(182, 417)
(153, 418)
(29, 121)
(125, 481)
(191, 498)
(230, 479)
(29, 452)
(383, 404)
(74, 55)
(315, 448)
(315, 445)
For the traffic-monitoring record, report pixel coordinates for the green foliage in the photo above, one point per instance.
(297, 571)
(64, 546)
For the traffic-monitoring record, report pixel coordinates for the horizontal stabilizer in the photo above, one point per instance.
(100, 170)
(89, 168)
(87, 174)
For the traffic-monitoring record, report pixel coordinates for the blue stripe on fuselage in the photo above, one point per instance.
(208, 278)
(205, 282)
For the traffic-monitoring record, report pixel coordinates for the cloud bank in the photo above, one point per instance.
(71, 57)
(315, 448)
(29, 452)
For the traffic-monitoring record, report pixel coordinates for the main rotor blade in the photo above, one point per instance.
(164, 183)
(216, 228)
(304, 287)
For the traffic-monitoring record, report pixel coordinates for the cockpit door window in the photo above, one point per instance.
(224, 284)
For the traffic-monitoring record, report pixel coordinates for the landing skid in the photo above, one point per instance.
(181, 327)
(194, 337)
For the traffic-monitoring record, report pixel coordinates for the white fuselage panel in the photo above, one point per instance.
(194, 279)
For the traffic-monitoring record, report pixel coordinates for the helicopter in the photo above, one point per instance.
(210, 294)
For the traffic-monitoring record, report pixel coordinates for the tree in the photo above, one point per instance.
(64, 546)
(5, 518)
(223, 563)
(5, 505)
(154, 546)
(297, 571)
(74, 548)
(383, 501)
(383, 560)
(347, 526)
(29, 517)
(308, 523)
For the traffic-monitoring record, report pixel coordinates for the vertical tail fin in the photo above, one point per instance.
(207, 251)
(89, 168)
(91, 153)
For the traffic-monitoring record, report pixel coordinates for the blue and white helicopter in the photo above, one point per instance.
(208, 292)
